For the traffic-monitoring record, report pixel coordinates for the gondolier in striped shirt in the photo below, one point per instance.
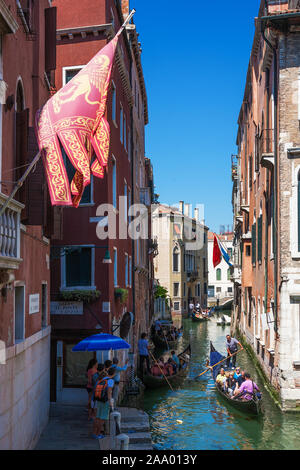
(232, 347)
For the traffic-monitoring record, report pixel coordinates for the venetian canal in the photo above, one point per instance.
(208, 423)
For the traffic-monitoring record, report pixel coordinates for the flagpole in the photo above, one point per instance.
(126, 22)
(20, 182)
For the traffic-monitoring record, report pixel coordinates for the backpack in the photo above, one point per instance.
(100, 393)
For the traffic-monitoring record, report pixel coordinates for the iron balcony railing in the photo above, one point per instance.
(10, 234)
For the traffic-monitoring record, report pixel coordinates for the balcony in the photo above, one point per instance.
(145, 196)
(10, 234)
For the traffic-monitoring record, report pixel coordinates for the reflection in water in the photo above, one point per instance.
(208, 422)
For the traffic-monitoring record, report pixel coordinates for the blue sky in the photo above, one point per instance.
(195, 58)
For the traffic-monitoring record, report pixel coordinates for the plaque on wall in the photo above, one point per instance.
(34, 303)
(66, 308)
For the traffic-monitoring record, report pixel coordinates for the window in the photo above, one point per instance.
(70, 72)
(176, 289)
(219, 274)
(114, 103)
(211, 291)
(78, 267)
(259, 238)
(115, 267)
(114, 183)
(121, 124)
(228, 274)
(125, 132)
(219, 289)
(176, 259)
(126, 270)
(19, 313)
(125, 203)
(184, 289)
(229, 290)
(130, 271)
(254, 244)
(230, 252)
(248, 250)
(176, 306)
(205, 288)
(44, 305)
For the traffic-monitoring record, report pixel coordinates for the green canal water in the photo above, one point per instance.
(208, 423)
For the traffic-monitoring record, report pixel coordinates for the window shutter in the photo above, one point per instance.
(50, 39)
(254, 244)
(259, 235)
(22, 119)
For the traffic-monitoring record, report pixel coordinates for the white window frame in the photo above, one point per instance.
(130, 271)
(126, 270)
(63, 266)
(70, 67)
(114, 182)
(114, 103)
(115, 267)
(121, 123)
(295, 254)
(20, 284)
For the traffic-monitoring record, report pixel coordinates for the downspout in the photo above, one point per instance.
(275, 79)
(266, 202)
(132, 189)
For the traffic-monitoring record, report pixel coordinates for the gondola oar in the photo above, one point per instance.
(161, 371)
(223, 360)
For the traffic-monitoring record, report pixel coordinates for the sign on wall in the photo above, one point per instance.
(34, 303)
(66, 308)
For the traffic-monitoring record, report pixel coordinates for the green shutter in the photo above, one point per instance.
(254, 244)
(259, 241)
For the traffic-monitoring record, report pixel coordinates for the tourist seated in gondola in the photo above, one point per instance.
(169, 367)
(155, 370)
(247, 389)
(221, 378)
(239, 376)
(231, 384)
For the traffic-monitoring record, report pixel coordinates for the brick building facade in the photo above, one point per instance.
(81, 33)
(266, 200)
(26, 67)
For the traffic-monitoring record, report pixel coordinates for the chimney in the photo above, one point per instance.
(196, 214)
(125, 8)
(187, 210)
(181, 206)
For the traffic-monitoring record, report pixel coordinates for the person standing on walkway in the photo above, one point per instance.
(104, 401)
(90, 372)
(143, 347)
(117, 378)
(232, 347)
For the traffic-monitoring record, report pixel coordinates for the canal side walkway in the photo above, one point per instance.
(69, 429)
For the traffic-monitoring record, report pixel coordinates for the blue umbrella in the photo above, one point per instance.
(101, 342)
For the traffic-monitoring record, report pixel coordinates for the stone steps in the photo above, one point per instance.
(128, 426)
(135, 423)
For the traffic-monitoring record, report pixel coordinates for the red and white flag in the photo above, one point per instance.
(217, 255)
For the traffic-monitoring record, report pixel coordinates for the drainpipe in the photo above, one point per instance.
(266, 202)
(275, 78)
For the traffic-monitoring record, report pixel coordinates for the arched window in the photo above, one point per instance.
(21, 137)
(176, 259)
(219, 274)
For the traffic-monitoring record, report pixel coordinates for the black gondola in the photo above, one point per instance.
(152, 381)
(253, 406)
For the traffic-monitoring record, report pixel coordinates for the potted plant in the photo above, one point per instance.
(121, 294)
(86, 296)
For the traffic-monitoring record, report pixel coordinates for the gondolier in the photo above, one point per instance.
(232, 347)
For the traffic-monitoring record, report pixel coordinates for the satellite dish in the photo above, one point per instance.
(125, 324)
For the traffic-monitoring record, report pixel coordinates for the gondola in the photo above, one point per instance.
(162, 342)
(152, 381)
(253, 406)
(197, 317)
